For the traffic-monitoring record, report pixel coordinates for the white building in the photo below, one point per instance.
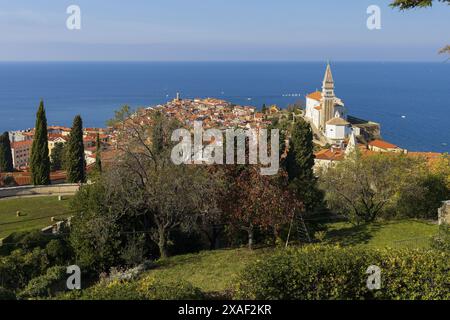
(337, 129)
(327, 112)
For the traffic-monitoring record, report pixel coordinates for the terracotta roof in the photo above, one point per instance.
(315, 95)
(21, 144)
(382, 144)
(337, 122)
(329, 154)
(319, 107)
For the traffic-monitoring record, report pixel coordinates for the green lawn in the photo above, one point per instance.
(214, 271)
(211, 271)
(35, 213)
(395, 234)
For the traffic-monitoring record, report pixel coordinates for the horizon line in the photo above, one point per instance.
(222, 61)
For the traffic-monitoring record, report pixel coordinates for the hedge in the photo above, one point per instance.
(146, 289)
(46, 284)
(6, 294)
(323, 273)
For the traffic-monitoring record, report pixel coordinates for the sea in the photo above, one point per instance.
(411, 101)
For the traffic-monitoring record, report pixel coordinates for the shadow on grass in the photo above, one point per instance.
(353, 235)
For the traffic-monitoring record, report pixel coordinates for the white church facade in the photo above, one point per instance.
(327, 112)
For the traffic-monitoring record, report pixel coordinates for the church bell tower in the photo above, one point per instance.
(328, 98)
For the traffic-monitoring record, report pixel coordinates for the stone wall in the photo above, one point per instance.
(444, 213)
(27, 191)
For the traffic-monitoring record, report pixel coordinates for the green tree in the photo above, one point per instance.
(264, 108)
(74, 162)
(410, 4)
(95, 229)
(364, 188)
(299, 165)
(120, 116)
(40, 160)
(6, 162)
(98, 155)
(57, 157)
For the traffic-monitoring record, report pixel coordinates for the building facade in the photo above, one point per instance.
(327, 112)
(21, 151)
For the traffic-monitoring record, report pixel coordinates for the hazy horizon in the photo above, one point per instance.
(196, 30)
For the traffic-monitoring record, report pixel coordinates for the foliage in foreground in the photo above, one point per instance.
(146, 289)
(323, 273)
(442, 240)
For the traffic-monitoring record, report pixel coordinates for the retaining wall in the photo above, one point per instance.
(27, 191)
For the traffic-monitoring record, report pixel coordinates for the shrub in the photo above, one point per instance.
(145, 289)
(18, 268)
(57, 251)
(6, 294)
(442, 240)
(114, 290)
(153, 289)
(45, 285)
(319, 273)
(27, 240)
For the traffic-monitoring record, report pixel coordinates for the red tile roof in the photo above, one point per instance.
(328, 154)
(315, 95)
(382, 144)
(19, 144)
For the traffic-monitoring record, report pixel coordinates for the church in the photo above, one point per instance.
(326, 112)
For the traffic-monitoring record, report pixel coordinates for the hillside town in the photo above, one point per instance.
(336, 133)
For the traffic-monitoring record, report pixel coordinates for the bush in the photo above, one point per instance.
(58, 251)
(6, 294)
(442, 240)
(115, 290)
(146, 289)
(153, 289)
(320, 273)
(45, 285)
(27, 240)
(18, 268)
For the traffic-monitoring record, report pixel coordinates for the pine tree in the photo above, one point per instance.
(74, 162)
(6, 162)
(299, 165)
(39, 160)
(98, 156)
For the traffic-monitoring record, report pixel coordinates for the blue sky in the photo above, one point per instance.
(220, 30)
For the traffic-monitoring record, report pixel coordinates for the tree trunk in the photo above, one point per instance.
(213, 238)
(162, 244)
(250, 237)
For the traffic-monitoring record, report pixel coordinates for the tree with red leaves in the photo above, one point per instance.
(258, 201)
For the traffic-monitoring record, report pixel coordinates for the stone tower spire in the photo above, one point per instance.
(328, 97)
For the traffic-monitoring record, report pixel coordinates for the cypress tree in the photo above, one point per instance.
(299, 165)
(264, 108)
(98, 157)
(40, 160)
(75, 163)
(6, 162)
(57, 157)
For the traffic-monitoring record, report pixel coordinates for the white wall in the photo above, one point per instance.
(310, 104)
(336, 132)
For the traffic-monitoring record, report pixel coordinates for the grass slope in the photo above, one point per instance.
(35, 213)
(395, 234)
(214, 271)
(211, 271)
